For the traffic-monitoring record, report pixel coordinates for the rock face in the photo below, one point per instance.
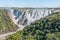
(43, 29)
(25, 16)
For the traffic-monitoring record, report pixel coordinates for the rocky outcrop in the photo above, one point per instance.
(25, 16)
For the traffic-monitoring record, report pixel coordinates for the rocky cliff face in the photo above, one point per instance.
(25, 16)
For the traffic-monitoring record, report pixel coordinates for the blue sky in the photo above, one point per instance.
(29, 3)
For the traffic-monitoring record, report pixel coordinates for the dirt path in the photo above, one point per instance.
(3, 36)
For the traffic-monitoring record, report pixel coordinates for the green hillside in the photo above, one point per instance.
(47, 28)
(6, 24)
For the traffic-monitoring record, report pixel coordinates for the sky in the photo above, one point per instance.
(29, 3)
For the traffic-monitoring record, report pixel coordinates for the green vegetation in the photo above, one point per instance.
(47, 28)
(53, 36)
(6, 24)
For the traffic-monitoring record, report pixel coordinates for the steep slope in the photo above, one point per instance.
(25, 16)
(47, 28)
(6, 24)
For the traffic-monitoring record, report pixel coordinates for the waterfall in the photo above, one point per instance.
(23, 17)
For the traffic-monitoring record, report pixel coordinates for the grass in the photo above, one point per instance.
(6, 24)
